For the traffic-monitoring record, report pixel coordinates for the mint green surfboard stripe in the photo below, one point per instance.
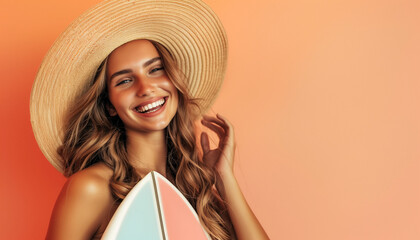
(142, 218)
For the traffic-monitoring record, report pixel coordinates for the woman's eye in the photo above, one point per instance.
(124, 81)
(156, 69)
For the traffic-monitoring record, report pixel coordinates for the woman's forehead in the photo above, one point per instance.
(131, 54)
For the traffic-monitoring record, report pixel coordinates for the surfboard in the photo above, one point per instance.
(155, 209)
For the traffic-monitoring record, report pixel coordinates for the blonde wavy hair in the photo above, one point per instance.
(92, 136)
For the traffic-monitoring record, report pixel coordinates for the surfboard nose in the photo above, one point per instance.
(155, 209)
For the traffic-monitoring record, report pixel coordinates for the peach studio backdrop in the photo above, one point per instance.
(324, 96)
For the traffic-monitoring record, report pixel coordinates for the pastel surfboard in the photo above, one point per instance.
(155, 210)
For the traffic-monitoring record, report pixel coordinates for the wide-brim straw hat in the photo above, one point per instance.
(189, 29)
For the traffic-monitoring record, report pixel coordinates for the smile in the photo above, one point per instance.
(151, 107)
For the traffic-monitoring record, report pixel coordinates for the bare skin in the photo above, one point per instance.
(84, 207)
(85, 204)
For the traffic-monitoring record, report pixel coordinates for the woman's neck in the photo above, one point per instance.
(147, 152)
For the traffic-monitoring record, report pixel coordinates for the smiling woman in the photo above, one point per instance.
(139, 90)
(132, 109)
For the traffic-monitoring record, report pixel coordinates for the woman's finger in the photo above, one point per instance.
(205, 142)
(215, 128)
(213, 119)
(229, 131)
(227, 126)
(221, 122)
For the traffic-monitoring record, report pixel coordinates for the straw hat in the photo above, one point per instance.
(189, 29)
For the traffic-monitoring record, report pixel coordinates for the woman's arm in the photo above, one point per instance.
(80, 207)
(245, 223)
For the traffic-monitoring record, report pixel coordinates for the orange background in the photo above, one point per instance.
(324, 96)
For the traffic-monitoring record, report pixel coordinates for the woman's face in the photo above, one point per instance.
(139, 89)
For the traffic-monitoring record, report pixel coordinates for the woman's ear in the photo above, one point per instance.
(111, 110)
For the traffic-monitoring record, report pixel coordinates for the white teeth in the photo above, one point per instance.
(149, 106)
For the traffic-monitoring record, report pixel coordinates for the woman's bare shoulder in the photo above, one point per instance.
(97, 175)
(92, 182)
(82, 204)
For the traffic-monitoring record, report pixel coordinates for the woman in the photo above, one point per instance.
(137, 116)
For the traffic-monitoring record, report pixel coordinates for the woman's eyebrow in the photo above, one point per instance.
(151, 61)
(120, 73)
(124, 71)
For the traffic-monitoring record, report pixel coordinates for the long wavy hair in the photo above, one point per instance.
(92, 136)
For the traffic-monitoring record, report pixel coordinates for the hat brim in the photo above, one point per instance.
(189, 29)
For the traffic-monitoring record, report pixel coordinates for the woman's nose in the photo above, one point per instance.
(144, 86)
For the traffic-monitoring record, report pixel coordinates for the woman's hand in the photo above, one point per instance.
(245, 224)
(220, 158)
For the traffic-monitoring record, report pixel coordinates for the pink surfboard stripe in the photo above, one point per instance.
(181, 223)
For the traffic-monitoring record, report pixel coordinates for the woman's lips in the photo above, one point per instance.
(152, 108)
